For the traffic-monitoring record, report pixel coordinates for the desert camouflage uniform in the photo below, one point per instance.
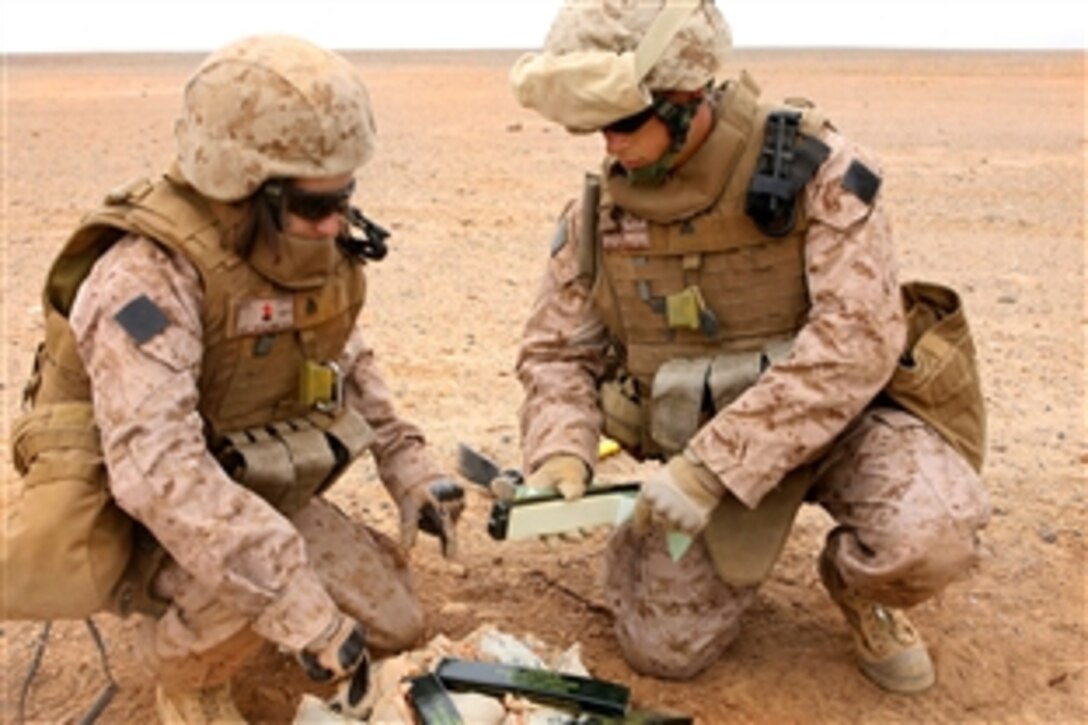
(240, 571)
(906, 504)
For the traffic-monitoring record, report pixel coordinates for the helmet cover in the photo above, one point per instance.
(271, 106)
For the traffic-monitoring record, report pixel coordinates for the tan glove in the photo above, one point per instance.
(567, 473)
(434, 507)
(679, 496)
(338, 653)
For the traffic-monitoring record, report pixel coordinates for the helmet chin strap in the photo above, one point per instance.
(677, 119)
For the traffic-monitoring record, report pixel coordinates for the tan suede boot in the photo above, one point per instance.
(196, 707)
(889, 650)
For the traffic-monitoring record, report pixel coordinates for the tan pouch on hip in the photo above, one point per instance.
(64, 544)
(677, 408)
(937, 378)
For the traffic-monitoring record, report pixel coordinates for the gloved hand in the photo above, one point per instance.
(567, 473)
(679, 496)
(434, 507)
(340, 652)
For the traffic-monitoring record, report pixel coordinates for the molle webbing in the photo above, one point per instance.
(250, 378)
(710, 283)
(755, 293)
(59, 374)
(246, 379)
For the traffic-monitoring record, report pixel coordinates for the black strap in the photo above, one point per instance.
(103, 698)
(787, 161)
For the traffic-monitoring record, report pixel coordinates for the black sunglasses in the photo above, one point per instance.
(314, 206)
(632, 123)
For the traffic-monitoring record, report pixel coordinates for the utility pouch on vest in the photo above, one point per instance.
(682, 310)
(676, 409)
(65, 544)
(286, 463)
(937, 377)
(732, 374)
(321, 385)
(681, 386)
(622, 412)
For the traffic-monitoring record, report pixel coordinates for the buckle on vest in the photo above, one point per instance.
(787, 161)
(321, 385)
(134, 189)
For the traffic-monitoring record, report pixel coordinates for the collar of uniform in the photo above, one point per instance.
(295, 262)
(689, 189)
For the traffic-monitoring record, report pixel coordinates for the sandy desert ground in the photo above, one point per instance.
(985, 158)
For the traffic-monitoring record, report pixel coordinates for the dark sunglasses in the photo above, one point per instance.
(314, 206)
(632, 123)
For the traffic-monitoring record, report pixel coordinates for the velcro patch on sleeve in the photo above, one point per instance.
(142, 319)
(861, 181)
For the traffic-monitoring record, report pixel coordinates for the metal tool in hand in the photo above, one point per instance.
(502, 483)
(522, 512)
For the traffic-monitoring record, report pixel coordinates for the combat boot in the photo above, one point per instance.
(889, 650)
(196, 707)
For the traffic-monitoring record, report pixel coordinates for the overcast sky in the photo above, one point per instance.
(150, 25)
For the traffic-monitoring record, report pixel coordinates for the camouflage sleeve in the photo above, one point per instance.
(844, 354)
(143, 370)
(400, 449)
(560, 358)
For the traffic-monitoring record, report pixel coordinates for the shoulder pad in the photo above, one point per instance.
(130, 190)
(748, 83)
(813, 120)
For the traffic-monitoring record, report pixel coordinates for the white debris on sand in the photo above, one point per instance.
(386, 701)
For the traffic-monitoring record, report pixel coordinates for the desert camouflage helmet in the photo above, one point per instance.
(271, 107)
(691, 59)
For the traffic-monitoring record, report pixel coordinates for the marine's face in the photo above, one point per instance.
(315, 207)
(638, 147)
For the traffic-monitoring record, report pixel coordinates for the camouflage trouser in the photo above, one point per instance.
(908, 509)
(201, 642)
